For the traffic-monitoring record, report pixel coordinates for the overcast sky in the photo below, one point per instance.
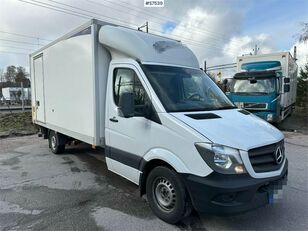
(216, 30)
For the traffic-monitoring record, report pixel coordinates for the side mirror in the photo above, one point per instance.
(286, 80)
(286, 87)
(148, 111)
(126, 105)
(145, 110)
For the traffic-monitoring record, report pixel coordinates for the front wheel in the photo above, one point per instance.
(167, 196)
(55, 143)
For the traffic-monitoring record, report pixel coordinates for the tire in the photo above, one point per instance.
(54, 143)
(167, 196)
(291, 111)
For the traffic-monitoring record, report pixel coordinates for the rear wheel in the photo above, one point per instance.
(167, 196)
(56, 143)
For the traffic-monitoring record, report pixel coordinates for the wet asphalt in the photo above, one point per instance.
(75, 191)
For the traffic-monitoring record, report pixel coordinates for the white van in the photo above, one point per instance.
(163, 123)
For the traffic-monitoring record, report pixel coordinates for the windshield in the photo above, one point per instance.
(184, 89)
(251, 86)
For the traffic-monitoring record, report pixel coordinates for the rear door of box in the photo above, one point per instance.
(39, 88)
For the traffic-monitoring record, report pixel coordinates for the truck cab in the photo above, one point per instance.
(258, 92)
(265, 85)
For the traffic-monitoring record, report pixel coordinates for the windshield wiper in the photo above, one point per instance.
(204, 109)
(241, 93)
(250, 93)
(192, 110)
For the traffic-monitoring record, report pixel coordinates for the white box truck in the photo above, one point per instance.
(265, 85)
(163, 123)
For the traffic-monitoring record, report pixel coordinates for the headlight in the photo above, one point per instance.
(222, 161)
(221, 158)
(269, 117)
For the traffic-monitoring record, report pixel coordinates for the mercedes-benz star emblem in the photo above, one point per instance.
(278, 155)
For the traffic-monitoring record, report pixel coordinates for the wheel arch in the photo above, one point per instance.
(159, 157)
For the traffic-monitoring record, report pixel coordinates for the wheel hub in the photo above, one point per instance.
(53, 142)
(164, 194)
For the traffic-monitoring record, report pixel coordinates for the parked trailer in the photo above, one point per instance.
(162, 121)
(265, 85)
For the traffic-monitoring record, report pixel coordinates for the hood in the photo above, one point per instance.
(231, 128)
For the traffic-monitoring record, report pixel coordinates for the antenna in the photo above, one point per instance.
(294, 54)
(256, 49)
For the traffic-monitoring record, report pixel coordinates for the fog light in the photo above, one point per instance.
(239, 169)
(269, 117)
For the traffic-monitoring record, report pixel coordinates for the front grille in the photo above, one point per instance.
(263, 159)
(256, 106)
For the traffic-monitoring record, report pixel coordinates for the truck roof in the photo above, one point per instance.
(70, 34)
(287, 53)
(144, 47)
(281, 60)
(147, 48)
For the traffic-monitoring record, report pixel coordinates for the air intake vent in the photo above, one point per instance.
(255, 106)
(203, 116)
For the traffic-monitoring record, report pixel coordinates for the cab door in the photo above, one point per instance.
(126, 138)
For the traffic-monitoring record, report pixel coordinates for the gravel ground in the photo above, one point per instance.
(74, 191)
(297, 122)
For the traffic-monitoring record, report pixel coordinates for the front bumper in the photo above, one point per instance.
(231, 194)
(264, 115)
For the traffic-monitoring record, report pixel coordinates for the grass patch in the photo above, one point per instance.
(16, 124)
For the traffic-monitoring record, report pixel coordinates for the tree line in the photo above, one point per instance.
(302, 80)
(16, 75)
(302, 87)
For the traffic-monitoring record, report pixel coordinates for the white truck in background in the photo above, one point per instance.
(163, 123)
(265, 85)
(15, 94)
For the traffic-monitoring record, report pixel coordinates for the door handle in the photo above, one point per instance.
(114, 119)
(37, 103)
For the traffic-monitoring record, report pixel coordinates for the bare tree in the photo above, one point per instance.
(1, 75)
(10, 74)
(211, 75)
(303, 37)
(21, 74)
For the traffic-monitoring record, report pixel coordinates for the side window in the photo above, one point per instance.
(126, 80)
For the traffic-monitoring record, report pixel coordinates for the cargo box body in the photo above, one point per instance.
(69, 87)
